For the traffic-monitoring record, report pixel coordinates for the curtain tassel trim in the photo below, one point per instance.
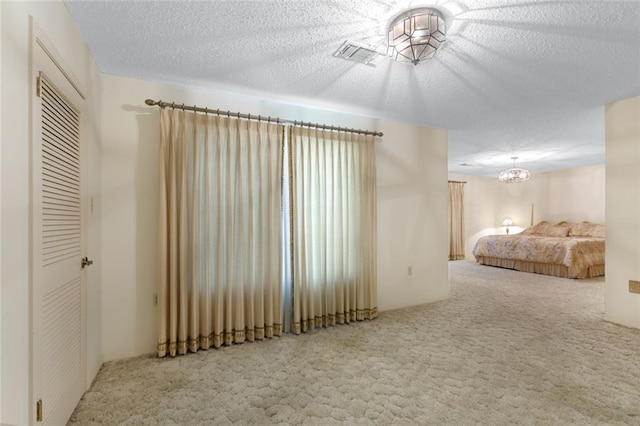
(217, 340)
(328, 320)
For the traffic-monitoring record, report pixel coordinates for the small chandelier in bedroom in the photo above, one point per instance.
(415, 35)
(514, 174)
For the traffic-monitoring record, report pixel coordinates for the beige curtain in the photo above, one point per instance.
(456, 220)
(219, 231)
(333, 202)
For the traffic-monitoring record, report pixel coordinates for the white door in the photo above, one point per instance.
(59, 361)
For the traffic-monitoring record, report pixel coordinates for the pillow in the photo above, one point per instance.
(538, 229)
(598, 231)
(528, 230)
(584, 229)
(558, 231)
(587, 229)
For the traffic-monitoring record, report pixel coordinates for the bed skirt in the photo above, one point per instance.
(561, 271)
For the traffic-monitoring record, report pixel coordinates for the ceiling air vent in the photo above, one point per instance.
(356, 52)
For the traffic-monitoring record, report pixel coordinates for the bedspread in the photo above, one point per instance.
(573, 252)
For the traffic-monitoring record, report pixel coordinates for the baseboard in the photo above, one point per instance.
(116, 356)
(93, 373)
(622, 321)
(414, 303)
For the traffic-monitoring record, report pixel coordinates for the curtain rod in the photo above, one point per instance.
(457, 181)
(184, 107)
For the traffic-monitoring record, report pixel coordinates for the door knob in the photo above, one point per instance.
(86, 262)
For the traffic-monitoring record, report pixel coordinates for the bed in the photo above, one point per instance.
(569, 250)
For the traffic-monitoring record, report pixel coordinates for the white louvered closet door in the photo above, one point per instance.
(58, 283)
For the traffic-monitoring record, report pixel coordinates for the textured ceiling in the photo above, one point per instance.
(519, 78)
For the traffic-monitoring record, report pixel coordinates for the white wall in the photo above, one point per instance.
(412, 216)
(53, 18)
(622, 123)
(573, 195)
(412, 193)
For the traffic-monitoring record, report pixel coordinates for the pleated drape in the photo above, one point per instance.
(333, 200)
(219, 245)
(456, 220)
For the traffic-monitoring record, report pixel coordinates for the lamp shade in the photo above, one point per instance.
(507, 221)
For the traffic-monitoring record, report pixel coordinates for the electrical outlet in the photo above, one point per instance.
(634, 286)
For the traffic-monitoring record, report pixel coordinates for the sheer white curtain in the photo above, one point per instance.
(456, 220)
(219, 241)
(333, 213)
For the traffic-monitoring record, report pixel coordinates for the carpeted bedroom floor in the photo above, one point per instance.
(507, 348)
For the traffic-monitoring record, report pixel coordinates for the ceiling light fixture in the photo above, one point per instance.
(514, 174)
(415, 35)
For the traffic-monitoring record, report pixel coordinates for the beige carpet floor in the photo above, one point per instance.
(507, 348)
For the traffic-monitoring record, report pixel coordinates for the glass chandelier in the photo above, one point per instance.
(415, 35)
(514, 174)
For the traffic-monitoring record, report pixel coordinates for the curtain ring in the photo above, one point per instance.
(183, 107)
(228, 114)
(259, 118)
(218, 111)
(238, 115)
(206, 110)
